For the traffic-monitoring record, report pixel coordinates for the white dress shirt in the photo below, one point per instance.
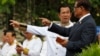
(1, 45)
(44, 49)
(53, 48)
(9, 50)
(83, 17)
(34, 45)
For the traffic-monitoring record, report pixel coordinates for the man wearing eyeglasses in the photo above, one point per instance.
(82, 34)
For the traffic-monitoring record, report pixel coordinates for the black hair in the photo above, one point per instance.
(6, 31)
(63, 5)
(85, 3)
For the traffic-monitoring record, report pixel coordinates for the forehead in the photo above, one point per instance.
(64, 9)
(9, 33)
(26, 33)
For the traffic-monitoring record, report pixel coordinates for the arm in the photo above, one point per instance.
(60, 30)
(40, 31)
(32, 29)
(37, 30)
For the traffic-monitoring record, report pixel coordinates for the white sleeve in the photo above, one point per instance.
(35, 51)
(50, 25)
(37, 30)
(40, 31)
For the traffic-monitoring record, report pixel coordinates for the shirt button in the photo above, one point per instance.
(56, 48)
(56, 53)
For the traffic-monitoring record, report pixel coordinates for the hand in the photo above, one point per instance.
(61, 41)
(45, 21)
(19, 49)
(15, 24)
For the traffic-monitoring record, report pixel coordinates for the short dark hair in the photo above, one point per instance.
(63, 5)
(6, 31)
(85, 3)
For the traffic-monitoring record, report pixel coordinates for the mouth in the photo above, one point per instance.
(65, 18)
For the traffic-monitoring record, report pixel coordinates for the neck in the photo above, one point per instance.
(84, 13)
(11, 43)
(29, 39)
(65, 24)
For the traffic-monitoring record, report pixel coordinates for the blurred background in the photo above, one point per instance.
(29, 11)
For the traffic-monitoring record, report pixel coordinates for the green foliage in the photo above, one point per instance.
(96, 10)
(12, 2)
(95, 3)
(71, 1)
(53, 15)
(5, 2)
(28, 10)
(93, 50)
(4, 5)
(15, 55)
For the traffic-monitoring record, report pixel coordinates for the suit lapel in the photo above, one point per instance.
(77, 25)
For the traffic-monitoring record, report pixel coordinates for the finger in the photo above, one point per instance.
(11, 20)
(43, 23)
(11, 23)
(42, 18)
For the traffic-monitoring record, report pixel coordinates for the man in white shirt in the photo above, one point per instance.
(82, 34)
(53, 48)
(9, 49)
(3, 42)
(64, 14)
(31, 46)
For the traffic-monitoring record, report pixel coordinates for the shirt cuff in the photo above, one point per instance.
(50, 25)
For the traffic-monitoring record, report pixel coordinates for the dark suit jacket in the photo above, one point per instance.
(80, 35)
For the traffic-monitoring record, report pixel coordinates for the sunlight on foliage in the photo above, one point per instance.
(93, 50)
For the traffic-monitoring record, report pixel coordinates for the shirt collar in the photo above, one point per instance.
(83, 17)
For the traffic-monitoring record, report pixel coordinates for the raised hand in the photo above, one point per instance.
(45, 21)
(19, 49)
(14, 23)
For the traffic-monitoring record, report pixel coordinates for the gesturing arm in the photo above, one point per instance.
(59, 30)
(37, 30)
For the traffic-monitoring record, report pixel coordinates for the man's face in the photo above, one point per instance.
(65, 14)
(9, 37)
(77, 11)
(28, 35)
(4, 39)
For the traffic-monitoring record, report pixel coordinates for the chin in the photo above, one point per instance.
(76, 16)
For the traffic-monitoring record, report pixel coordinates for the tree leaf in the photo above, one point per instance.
(12, 2)
(4, 2)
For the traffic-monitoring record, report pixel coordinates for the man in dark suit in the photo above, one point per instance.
(81, 34)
